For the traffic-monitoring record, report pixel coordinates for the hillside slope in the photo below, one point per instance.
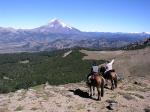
(74, 98)
(132, 94)
(24, 70)
(138, 45)
(129, 63)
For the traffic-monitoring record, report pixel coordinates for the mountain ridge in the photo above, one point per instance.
(57, 35)
(57, 26)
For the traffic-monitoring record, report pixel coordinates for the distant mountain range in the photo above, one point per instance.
(58, 35)
(138, 45)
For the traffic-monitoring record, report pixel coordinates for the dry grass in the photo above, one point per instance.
(34, 108)
(19, 108)
(129, 63)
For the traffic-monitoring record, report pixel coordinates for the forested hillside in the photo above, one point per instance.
(23, 70)
(138, 45)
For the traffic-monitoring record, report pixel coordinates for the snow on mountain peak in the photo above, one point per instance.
(57, 26)
(58, 23)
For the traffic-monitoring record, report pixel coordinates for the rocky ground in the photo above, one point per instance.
(130, 96)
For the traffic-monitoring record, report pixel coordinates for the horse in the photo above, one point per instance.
(98, 82)
(110, 75)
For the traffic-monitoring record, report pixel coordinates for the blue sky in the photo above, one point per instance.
(86, 15)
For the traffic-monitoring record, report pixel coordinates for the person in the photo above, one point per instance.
(94, 71)
(108, 69)
(109, 66)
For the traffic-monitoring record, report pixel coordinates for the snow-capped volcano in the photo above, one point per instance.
(57, 23)
(58, 35)
(57, 26)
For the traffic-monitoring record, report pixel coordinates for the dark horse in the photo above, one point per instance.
(110, 75)
(98, 82)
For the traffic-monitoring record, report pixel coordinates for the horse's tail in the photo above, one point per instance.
(116, 80)
(102, 87)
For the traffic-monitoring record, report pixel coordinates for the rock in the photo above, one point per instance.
(19, 91)
(147, 109)
(111, 101)
(137, 83)
(120, 77)
(112, 106)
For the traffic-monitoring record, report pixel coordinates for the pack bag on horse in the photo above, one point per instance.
(109, 74)
(95, 80)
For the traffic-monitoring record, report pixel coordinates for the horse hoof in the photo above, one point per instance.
(98, 99)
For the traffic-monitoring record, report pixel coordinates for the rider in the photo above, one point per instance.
(109, 67)
(94, 68)
(94, 71)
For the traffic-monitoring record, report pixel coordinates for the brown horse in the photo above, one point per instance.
(97, 82)
(110, 75)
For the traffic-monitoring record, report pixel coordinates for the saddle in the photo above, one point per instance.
(94, 75)
(91, 77)
(107, 74)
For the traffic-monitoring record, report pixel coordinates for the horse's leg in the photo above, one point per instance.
(98, 90)
(93, 90)
(102, 87)
(112, 84)
(107, 77)
(106, 84)
(115, 81)
(90, 91)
